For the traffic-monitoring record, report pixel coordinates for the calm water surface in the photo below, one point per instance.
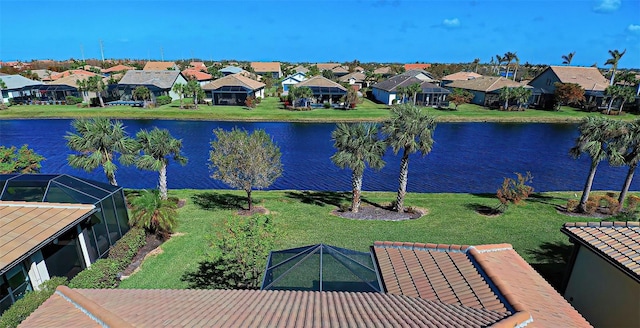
(466, 157)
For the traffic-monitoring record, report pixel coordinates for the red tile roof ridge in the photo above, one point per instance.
(422, 246)
(518, 319)
(90, 308)
(491, 248)
(494, 276)
(603, 224)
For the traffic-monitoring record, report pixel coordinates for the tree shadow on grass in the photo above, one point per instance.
(551, 261)
(319, 198)
(537, 198)
(212, 275)
(486, 195)
(483, 209)
(212, 201)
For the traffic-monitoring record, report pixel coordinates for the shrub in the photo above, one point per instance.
(345, 207)
(514, 191)
(250, 102)
(163, 100)
(71, 100)
(22, 308)
(592, 205)
(101, 274)
(127, 247)
(610, 203)
(632, 202)
(326, 105)
(572, 205)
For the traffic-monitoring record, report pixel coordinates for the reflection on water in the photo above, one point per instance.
(466, 157)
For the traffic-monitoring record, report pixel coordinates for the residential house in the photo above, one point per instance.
(43, 74)
(160, 66)
(486, 89)
(589, 78)
(408, 67)
(301, 69)
(233, 90)
(387, 91)
(384, 71)
(603, 276)
(116, 69)
(355, 79)
(359, 69)
(160, 83)
(17, 87)
(459, 76)
(293, 79)
(54, 225)
(324, 89)
(340, 71)
(421, 75)
(77, 72)
(231, 70)
(326, 66)
(197, 65)
(200, 76)
(59, 89)
(424, 285)
(267, 68)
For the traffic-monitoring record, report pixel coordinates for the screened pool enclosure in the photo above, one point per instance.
(321, 268)
(103, 228)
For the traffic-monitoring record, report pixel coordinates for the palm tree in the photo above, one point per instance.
(2, 87)
(401, 91)
(595, 135)
(613, 61)
(626, 151)
(83, 86)
(476, 62)
(515, 72)
(358, 145)
(505, 94)
(95, 84)
(141, 93)
(522, 95)
(508, 58)
(154, 214)
(179, 88)
(158, 146)
(96, 140)
(414, 89)
(499, 61)
(566, 59)
(411, 130)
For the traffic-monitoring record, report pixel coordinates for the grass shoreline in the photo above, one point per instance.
(269, 110)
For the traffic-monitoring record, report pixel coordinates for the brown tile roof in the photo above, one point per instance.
(408, 67)
(589, 78)
(327, 66)
(60, 75)
(301, 69)
(70, 80)
(481, 277)
(250, 308)
(382, 70)
(199, 75)
(158, 66)
(358, 76)
(616, 242)
(117, 68)
(320, 81)
(340, 69)
(27, 226)
(263, 67)
(485, 84)
(461, 76)
(234, 80)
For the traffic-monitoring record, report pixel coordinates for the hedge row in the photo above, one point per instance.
(163, 100)
(22, 308)
(104, 272)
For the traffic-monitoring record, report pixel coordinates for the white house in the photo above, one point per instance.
(16, 86)
(292, 80)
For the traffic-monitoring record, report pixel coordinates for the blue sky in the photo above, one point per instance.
(401, 31)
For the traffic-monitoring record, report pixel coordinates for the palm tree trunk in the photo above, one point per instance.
(610, 104)
(181, 101)
(356, 184)
(627, 184)
(415, 94)
(162, 181)
(515, 73)
(112, 179)
(404, 176)
(101, 101)
(582, 207)
(621, 106)
(249, 200)
(613, 75)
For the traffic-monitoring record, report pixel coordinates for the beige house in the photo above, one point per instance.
(233, 90)
(267, 68)
(460, 76)
(603, 281)
(589, 78)
(160, 66)
(486, 89)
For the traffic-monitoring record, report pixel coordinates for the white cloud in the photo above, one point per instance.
(633, 28)
(607, 6)
(451, 22)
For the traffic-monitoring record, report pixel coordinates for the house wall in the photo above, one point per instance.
(259, 93)
(545, 81)
(172, 93)
(478, 97)
(383, 96)
(602, 293)
(287, 83)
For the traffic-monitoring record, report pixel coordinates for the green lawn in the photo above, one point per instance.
(270, 109)
(304, 218)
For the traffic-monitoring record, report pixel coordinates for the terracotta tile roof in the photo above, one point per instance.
(616, 242)
(485, 84)
(158, 66)
(490, 277)
(251, 308)
(198, 65)
(234, 80)
(320, 81)
(27, 226)
(117, 68)
(408, 67)
(589, 78)
(264, 67)
(461, 76)
(199, 75)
